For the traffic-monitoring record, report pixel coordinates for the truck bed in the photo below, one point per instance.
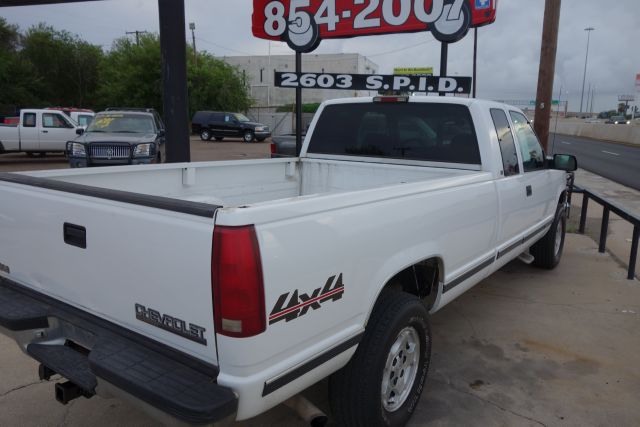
(254, 182)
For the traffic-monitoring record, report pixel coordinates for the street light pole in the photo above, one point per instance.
(586, 58)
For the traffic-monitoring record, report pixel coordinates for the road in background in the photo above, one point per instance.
(617, 162)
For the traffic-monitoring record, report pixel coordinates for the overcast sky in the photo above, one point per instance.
(508, 57)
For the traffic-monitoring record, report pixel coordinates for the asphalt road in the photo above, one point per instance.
(617, 162)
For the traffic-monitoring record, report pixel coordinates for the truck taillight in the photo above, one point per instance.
(391, 99)
(273, 148)
(236, 279)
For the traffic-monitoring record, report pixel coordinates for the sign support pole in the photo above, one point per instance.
(475, 59)
(174, 80)
(444, 53)
(298, 106)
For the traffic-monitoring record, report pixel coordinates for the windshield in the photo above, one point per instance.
(122, 123)
(414, 131)
(241, 117)
(618, 118)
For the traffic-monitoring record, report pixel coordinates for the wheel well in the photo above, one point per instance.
(421, 279)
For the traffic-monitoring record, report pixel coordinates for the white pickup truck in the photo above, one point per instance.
(39, 131)
(211, 291)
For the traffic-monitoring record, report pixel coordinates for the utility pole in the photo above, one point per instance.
(586, 106)
(192, 27)
(547, 70)
(593, 95)
(137, 33)
(586, 58)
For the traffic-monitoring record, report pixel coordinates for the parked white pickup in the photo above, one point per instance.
(39, 131)
(221, 289)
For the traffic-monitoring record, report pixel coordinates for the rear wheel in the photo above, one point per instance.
(382, 383)
(205, 135)
(247, 136)
(548, 250)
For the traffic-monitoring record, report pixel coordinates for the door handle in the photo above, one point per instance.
(75, 235)
(45, 131)
(529, 191)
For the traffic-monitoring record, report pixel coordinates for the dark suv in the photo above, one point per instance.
(218, 125)
(119, 136)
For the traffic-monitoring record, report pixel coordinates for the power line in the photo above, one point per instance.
(137, 33)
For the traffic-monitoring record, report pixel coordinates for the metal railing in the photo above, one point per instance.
(608, 207)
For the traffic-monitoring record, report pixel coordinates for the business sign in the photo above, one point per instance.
(533, 102)
(419, 71)
(460, 85)
(626, 98)
(304, 23)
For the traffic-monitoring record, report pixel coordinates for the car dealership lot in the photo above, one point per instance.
(229, 149)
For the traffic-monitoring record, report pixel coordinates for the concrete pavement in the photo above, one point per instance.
(525, 347)
(620, 231)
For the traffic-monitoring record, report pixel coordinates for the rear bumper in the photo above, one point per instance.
(90, 351)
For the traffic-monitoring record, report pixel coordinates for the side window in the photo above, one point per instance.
(530, 149)
(227, 118)
(29, 120)
(51, 120)
(507, 145)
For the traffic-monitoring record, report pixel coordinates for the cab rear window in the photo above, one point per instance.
(413, 131)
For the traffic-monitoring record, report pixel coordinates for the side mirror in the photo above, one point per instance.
(565, 162)
(161, 133)
(79, 131)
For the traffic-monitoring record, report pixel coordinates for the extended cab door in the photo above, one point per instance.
(526, 191)
(55, 131)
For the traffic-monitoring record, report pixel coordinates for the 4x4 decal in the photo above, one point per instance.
(290, 306)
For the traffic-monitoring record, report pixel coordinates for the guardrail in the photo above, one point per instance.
(608, 207)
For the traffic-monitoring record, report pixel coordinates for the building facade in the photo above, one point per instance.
(259, 74)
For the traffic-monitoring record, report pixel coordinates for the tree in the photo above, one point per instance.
(131, 76)
(215, 85)
(66, 66)
(19, 84)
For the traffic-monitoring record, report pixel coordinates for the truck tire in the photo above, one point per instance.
(247, 136)
(205, 135)
(548, 250)
(382, 383)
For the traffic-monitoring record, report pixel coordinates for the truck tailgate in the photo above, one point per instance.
(146, 269)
